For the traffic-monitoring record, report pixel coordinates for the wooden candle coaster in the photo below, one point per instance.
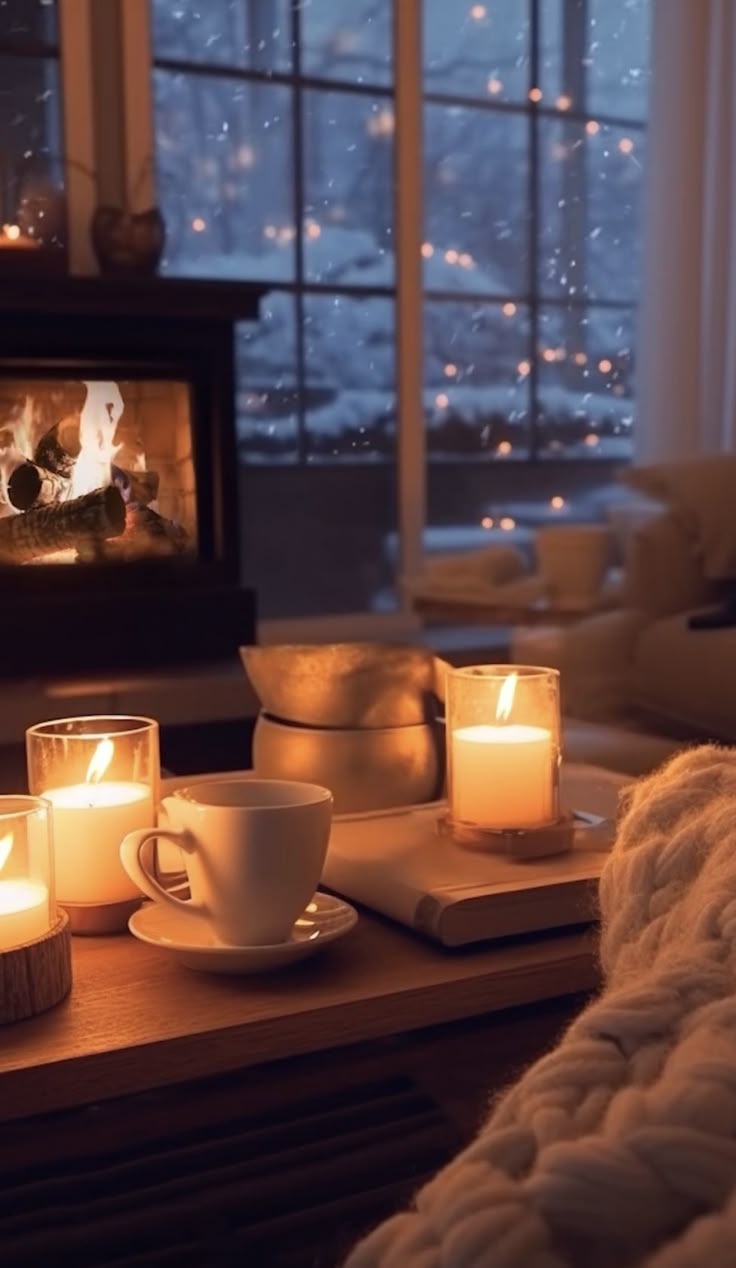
(516, 843)
(36, 975)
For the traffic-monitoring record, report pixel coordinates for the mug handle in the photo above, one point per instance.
(130, 856)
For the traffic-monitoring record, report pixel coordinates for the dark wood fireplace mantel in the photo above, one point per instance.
(178, 299)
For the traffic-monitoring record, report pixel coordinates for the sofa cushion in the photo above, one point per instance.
(702, 493)
(663, 572)
(686, 678)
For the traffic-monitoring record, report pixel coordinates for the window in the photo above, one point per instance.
(533, 159)
(276, 144)
(274, 141)
(31, 182)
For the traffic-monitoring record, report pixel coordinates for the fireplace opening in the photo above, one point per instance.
(96, 470)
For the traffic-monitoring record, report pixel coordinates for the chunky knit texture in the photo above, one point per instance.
(618, 1148)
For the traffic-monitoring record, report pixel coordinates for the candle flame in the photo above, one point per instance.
(6, 845)
(506, 698)
(100, 761)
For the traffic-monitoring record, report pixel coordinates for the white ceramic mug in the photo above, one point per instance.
(253, 849)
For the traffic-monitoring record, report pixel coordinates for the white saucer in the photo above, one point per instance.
(194, 944)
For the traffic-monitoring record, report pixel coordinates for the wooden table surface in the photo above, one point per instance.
(137, 1020)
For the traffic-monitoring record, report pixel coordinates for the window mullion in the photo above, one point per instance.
(135, 53)
(75, 55)
(411, 449)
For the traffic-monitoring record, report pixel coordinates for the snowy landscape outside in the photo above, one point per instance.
(276, 164)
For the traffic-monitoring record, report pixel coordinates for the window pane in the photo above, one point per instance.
(586, 384)
(591, 186)
(348, 177)
(476, 376)
(600, 60)
(477, 50)
(267, 397)
(249, 34)
(347, 39)
(27, 22)
(31, 169)
(225, 176)
(618, 49)
(350, 356)
(475, 200)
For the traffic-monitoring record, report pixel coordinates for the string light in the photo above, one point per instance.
(465, 260)
(591, 440)
(592, 127)
(269, 231)
(557, 503)
(450, 370)
(580, 358)
(452, 256)
(503, 447)
(494, 85)
(246, 156)
(563, 102)
(626, 145)
(605, 366)
(198, 224)
(506, 523)
(12, 232)
(523, 368)
(478, 12)
(549, 354)
(508, 309)
(312, 229)
(442, 400)
(427, 250)
(486, 522)
(381, 124)
(535, 94)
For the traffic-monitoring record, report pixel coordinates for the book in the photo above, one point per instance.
(399, 863)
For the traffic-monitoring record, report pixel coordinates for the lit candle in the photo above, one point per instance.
(24, 912)
(503, 773)
(502, 776)
(89, 822)
(13, 236)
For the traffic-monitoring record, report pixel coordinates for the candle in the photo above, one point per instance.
(13, 236)
(24, 912)
(503, 775)
(89, 822)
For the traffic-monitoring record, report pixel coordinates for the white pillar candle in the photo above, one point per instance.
(24, 912)
(89, 822)
(502, 776)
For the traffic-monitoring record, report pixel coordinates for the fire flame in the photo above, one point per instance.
(98, 423)
(100, 760)
(6, 845)
(506, 698)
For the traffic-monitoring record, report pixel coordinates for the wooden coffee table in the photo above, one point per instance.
(158, 1108)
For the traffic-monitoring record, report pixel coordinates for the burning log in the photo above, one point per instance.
(82, 521)
(136, 486)
(147, 535)
(58, 449)
(29, 485)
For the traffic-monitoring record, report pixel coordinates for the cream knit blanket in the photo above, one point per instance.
(619, 1147)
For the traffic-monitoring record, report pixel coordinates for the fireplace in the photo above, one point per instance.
(119, 537)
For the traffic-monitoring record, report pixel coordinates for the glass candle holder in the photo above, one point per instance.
(503, 746)
(101, 777)
(27, 904)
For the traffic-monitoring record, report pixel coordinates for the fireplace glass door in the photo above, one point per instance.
(94, 470)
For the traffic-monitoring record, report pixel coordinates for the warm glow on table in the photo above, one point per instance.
(89, 822)
(502, 776)
(24, 912)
